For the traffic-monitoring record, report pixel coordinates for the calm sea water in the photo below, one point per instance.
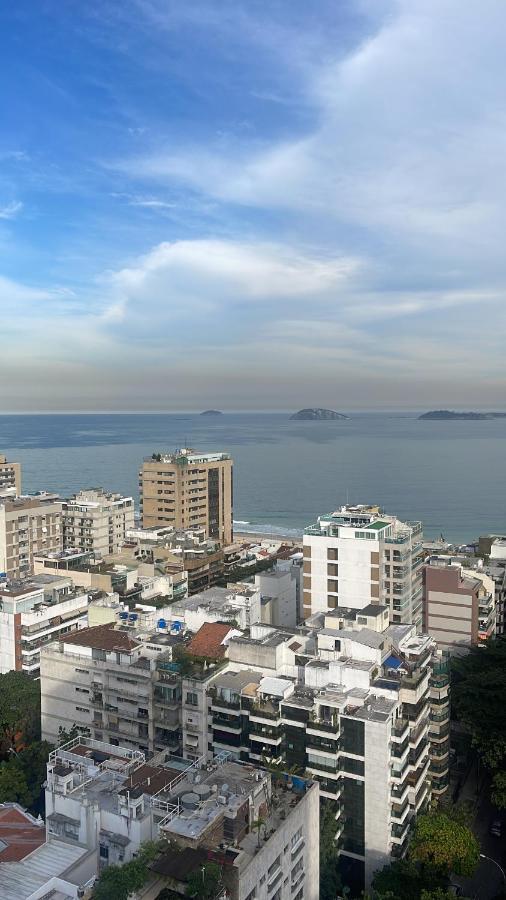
(448, 474)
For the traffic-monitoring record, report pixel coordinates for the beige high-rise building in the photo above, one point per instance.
(28, 525)
(188, 490)
(10, 477)
(97, 521)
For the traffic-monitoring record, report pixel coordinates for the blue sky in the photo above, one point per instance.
(252, 204)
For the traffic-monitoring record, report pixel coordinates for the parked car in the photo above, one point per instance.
(496, 828)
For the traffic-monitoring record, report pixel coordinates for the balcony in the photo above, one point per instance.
(264, 711)
(314, 726)
(220, 721)
(321, 766)
(221, 703)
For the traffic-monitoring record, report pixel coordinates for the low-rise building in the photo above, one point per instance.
(239, 604)
(96, 521)
(264, 837)
(30, 618)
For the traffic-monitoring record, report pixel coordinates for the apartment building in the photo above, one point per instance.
(96, 521)
(28, 526)
(10, 477)
(109, 799)
(116, 684)
(357, 556)
(29, 620)
(459, 605)
(171, 550)
(349, 699)
(188, 490)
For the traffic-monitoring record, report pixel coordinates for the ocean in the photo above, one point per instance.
(449, 474)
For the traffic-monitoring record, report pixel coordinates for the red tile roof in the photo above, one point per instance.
(101, 637)
(208, 640)
(19, 833)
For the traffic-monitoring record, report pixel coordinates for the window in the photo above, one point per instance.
(104, 851)
(354, 766)
(352, 736)
(82, 671)
(192, 698)
(296, 837)
(82, 709)
(82, 690)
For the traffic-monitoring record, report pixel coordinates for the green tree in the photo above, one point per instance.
(13, 785)
(203, 883)
(478, 690)
(19, 711)
(121, 881)
(443, 842)
(404, 879)
(68, 734)
(32, 763)
(330, 880)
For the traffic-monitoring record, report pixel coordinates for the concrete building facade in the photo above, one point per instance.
(459, 605)
(188, 490)
(96, 522)
(10, 477)
(28, 526)
(358, 556)
(110, 800)
(29, 620)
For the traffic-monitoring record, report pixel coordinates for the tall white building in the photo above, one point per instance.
(97, 522)
(29, 620)
(357, 556)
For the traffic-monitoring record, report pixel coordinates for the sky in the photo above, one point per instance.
(252, 204)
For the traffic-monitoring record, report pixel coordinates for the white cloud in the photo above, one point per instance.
(11, 210)
(410, 142)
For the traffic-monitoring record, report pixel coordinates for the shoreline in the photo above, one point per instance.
(252, 536)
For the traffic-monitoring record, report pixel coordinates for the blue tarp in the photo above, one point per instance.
(392, 662)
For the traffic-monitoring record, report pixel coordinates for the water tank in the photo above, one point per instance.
(162, 623)
(190, 800)
(203, 791)
(123, 615)
(133, 617)
(177, 626)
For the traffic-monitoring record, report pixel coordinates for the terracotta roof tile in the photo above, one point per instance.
(101, 637)
(208, 640)
(19, 834)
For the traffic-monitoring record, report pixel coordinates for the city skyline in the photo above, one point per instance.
(256, 206)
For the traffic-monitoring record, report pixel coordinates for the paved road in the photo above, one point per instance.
(487, 882)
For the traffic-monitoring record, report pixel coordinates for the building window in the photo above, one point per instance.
(192, 698)
(352, 736)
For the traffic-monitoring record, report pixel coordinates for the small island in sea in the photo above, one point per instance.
(452, 414)
(211, 412)
(317, 414)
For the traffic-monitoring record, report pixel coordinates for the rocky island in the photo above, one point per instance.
(211, 412)
(448, 414)
(317, 414)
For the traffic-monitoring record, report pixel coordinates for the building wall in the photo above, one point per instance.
(189, 495)
(27, 526)
(377, 798)
(97, 522)
(10, 475)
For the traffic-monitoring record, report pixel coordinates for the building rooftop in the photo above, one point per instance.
(208, 640)
(102, 637)
(20, 833)
(19, 880)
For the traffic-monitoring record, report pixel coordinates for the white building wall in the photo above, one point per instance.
(377, 797)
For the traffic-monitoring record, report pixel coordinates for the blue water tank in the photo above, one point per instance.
(133, 617)
(123, 615)
(177, 626)
(162, 623)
